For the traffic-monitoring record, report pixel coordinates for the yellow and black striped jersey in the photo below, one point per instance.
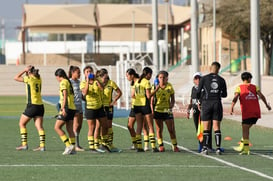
(65, 85)
(33, 90)
(93, 97)
(162, 98)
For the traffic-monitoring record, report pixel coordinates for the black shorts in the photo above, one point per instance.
(94, 113)
(250, 121)
(144, 110)
(109, 112)
(211, 110)
(69, 115)
(132, 113)
(33, 110)
(163, 116)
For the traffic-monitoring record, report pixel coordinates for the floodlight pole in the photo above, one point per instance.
(167, 35)
(214, 30)
(194, 37)
(155, 34)
(255, 45)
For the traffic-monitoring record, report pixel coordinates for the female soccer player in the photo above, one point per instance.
(133, 77)
(142, 93)
(74, 76)
(92, 90)
(35, 107)
(163, 102)
(248, 94)
(108, 101)
(67, 112)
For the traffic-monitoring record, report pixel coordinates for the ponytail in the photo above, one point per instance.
(145, 72)
(61, 73)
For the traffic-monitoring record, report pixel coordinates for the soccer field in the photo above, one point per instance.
(128, 165)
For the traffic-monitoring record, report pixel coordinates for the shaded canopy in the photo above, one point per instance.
(60, 18)
(112, 19)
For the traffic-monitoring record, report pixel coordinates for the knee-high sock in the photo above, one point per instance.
(206, 135)
(23, 132)
(218, 138)
(42, 138)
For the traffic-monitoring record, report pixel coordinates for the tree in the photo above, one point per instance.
(233, 16)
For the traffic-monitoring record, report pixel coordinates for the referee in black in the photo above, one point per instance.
(214, 87)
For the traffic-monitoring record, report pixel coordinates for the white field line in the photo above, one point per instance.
(119, 166)
(262, 155)
(215, 158)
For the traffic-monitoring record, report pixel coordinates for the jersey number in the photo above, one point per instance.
(37, 88)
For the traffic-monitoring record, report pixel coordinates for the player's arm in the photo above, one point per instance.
(200, 87)
(85, 88)
(19, 76)
(234, 100)
(119, 94)
(149, 94)
(64, 92)
(260, 94)
(224, 90)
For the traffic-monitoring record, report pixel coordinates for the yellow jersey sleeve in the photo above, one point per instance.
(238, 90)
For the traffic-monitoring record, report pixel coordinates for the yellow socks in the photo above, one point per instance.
(146, 141)
(42, 138)
(139, 141)
(23, 132)
(91, 142)
(65, 140)
(152, 140)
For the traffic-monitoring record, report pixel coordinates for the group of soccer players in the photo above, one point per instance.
(150, 104)
(96, 90)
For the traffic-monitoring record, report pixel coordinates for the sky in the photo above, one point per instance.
(11, 12)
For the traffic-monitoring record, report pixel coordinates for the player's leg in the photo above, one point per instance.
(23, 132)
(159, 134)
(39, 126)
(146, 135)
(131, 129)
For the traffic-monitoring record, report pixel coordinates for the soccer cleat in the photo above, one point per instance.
(238, 148)
(133, 147)
(154, 150)
(139, 150)
(105, 148)
(218, 151)
(78, 148)
(245, 152)
(114, 149)
(93, 151)
(39, 149)
(161, 149)
(22, 147)
(68, 150)
(146, 148)
(204, 151)
(176, 149)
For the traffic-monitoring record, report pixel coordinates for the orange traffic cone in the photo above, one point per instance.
(17, 62)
